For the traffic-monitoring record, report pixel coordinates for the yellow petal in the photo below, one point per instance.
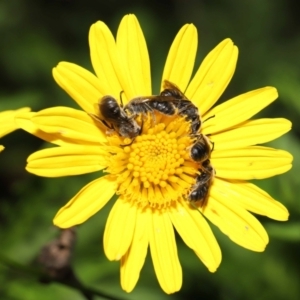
(235, 222)
(86, 203)
(67, 160)
(213, 75)
(7, 119)
(80, 84)
(106, 60)
(134, 54)
(238, 109)
(250, 133)
(133, 261)
(254, 162)
(1, 148)
(119, 229)
(251, 198)
(24, 121)
(181, 57)
(71, 124)
(196, 234)
(164, 252)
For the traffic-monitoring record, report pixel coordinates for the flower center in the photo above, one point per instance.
(156, 169)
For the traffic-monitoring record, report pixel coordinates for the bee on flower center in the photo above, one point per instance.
(147, 104)
(184, 106)
(170, 101)
(113, 116)
(201, 150)
(199, 191)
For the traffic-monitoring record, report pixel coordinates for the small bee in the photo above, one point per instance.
(170, 101)
(145, 104)
(201, 150)
(185, 107)
(113, 116)
(200, 189)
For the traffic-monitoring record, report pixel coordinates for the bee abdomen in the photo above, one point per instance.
(198, 193)
(191, 113)
(199, 152)
(164, 107)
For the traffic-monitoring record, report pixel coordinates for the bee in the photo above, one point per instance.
(169, 102)
(147, 104)
(200, 151)
(184, 106)
(113, 116)
(199, 191)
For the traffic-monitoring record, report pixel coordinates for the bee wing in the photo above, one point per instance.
(169, 85)
(177, 93)
(141, 99)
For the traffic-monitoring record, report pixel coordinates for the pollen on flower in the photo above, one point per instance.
(155, 169)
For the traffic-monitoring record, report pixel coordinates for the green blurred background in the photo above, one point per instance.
(36, 35)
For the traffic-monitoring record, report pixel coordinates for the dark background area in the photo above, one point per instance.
(37, 35)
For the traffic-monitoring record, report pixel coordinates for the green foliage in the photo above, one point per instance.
(36, 35)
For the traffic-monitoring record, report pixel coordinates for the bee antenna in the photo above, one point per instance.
(213, 146)
(122, 92)
(209, 118)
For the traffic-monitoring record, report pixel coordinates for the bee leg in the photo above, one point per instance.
(142, 125)
(150, 110)
(103, 122)
(133, 116)
(124, 145)
(96, 118)
(153, 117)
(107, 125)
(195, 125)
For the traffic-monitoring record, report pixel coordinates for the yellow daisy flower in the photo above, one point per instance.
(153, 173)
(8, 124)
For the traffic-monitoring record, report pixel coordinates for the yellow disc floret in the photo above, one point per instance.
(156, 168)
